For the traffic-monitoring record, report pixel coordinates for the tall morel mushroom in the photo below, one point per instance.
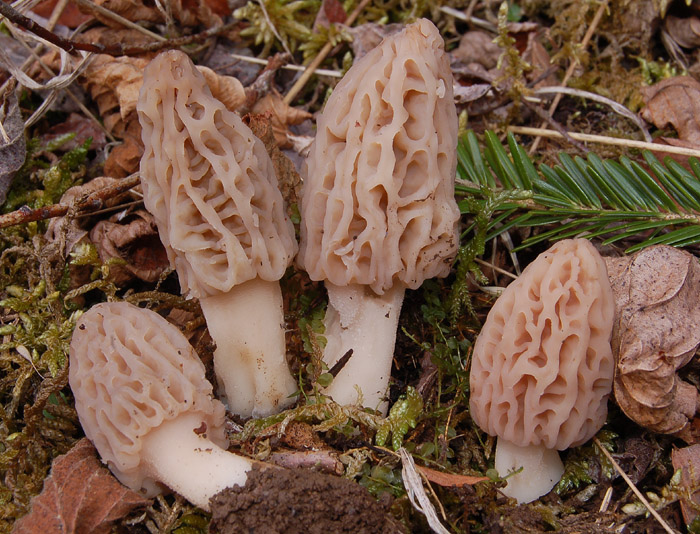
(542, 366)
(378, 209)
(212, 189)
(143, 400)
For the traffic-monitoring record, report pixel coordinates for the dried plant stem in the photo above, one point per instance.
(479, 23)
(634, 488)
(93, 201)
(605, 140)
(572, 66)
(301, 82)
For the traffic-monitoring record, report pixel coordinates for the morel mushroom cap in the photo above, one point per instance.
(378, 209)
(378, 201)
(143, 400)
(212, 189)
(209, 183)
(542, 366)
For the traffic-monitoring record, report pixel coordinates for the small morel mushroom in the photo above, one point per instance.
(542, 366)
(212, 189)
(144, 402)
(378, 209)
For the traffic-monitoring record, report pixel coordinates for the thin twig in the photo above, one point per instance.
(479, 23)
(602, 139)
(301, 82)
(299, 68)
(572, 66)
(634, 488)
(554, 124)
(615, 106)
(93, 201)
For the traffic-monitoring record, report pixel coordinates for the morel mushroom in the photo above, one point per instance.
(542, 366)
(212, 189)
(378, 209)
(143, 400)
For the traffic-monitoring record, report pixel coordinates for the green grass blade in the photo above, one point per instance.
(523, 164)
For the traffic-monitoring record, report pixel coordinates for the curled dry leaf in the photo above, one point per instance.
(282, 116)
(13, 148)
(135, 240)
(114, 84)
(657, 292)
(675, 102)
(685, 31)
(79, 497)
(688, 461)
(67, 230)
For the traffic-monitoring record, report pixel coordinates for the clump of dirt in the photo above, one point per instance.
(298, 502)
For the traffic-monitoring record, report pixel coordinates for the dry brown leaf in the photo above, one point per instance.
(82, 127)
(331, 12)
(685, 31)
(478, 47)
(688, 461)
(135, 240)
(676, 102)
(186, 12)
(70, 16)
(288, 178)
(124, 159)
(114, 84)
(656, 333)
(79, 497)
(282, 116)
(449, 479)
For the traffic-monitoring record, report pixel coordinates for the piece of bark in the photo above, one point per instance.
(657, 292)
(80, 496)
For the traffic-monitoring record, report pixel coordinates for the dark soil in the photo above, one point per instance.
(298, 502)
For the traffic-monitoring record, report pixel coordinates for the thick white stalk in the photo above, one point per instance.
(365, 322)
(189, 463)
(542, 469)
(247, 324)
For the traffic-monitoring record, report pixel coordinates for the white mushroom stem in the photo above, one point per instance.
(179, 455)
(247, 324)
(542, 469)
(365, 322)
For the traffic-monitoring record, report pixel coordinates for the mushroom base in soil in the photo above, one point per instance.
(179, 455)
(358, 319)
(248, 326)
(538, 469)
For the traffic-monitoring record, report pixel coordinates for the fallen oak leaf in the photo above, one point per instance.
(80, 496)
(449, 479)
